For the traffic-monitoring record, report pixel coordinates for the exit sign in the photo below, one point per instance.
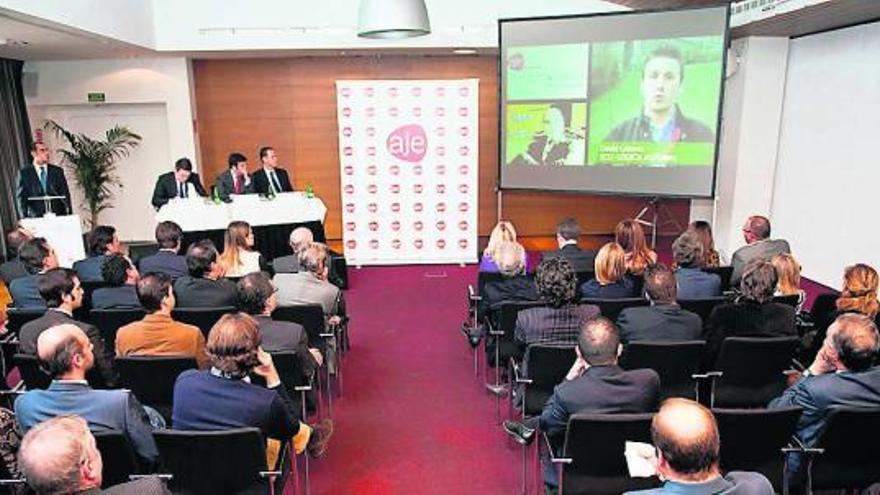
(97, 97)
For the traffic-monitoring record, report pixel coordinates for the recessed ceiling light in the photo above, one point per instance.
(464, 51)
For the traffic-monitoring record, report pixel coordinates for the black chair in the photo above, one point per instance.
(592, 457)
(31, 373)
(88, 289)
(297, 383)
(753, 439)
(151, 378)
(823, 306)
(611, 308)
(16, 318)
(205, 462)
(749, 371)
(584, 277)
(675, 362)
(484, 278)
(702, 307)
(109, 321)
(792, 300)
(725, 273)
(850, 450)
(204, 318)
(117, 456)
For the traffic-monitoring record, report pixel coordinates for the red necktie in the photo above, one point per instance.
(237, 183)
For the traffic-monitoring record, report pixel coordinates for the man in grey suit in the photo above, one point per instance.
(310, 286)
(235, 180)
(756, 232)
(60, 456)
(300, 238)
(66, 354)
(664, 319)
(567, 234)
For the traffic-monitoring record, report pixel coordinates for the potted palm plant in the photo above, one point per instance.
(93, 162)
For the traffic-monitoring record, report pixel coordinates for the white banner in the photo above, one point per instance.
(409, 161)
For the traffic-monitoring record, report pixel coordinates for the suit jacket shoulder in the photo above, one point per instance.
(143, 486)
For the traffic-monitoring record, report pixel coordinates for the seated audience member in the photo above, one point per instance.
(558, 323)
(166, 260)
(256, 297)
(611, 281)
(789, 272)
(62, 293)
(567, 234)
(663, 320)
(503, 232)
(759, 245)
(60, 455)
(204, 287)
(235, 180)
(14, 267)
(845, 373)
(754, 314)
(224, 398)
(239, 258)
(630, 236)
(514, 285)
(38, 257)
(66, 354)
(711, 258)
(300, 238)
(310, 286)
(158, 334)
(688, 454)
(121, 276)
(693, 283)
(103, 242)
(594, 384)
(182, 183)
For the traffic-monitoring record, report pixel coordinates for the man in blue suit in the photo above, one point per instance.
(103, 242)
(664, 320)
(38, 258)
(41, 178)
(166, 260)
(66, 353)
(121, 277)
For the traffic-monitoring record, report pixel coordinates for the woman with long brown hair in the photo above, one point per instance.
(630, 236)
(703, 229)
(239, 257)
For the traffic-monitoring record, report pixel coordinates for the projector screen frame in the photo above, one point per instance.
(500, 188)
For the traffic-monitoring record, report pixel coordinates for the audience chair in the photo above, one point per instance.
(204, 318)
(584, 277)
(109, 321)
(297, 383)
(88, 289)
(229, 461)
(611, 308)
(725, 272)
(823, 305)
(15, 319)
(151, 379)
(791, 300)
(754, 439)
(675, 362)
(472, 323)
(749, 371)
(592, 460)
(31, 373)
(702, 307)
(118, 457)
(847, 454)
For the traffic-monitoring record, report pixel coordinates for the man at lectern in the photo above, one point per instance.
(270, 178)
(40, 179)
(182, 183)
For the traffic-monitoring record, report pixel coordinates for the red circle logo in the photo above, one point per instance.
(416, 91)
(417, 188)
(349, 170)
(374, 244)
(349, 207)
(463, 225)
(371, 170)
(418, 225)
(395, 188)
(394, 169)
(346, 112)
(463, 207)
(463, 91)
(441, 225)
(463, 150)
(395, 243)
(418, 243)
(439, 111)
(351, 244)
(393, 111)
(347, 151)
(463, 170)
(441, 169)
(441, 151)
(395, 225)
(440, 131)
(441, 188)
(369, 91)
(346, 131)
(370, 112)
(349, 226)
(418, 207)
(346, 92)
(372, 207)
(441, 243)
(372, 188)
(463, 188)
(417, 170)
(392, 92)
(374, 226)
(417, 111)
(463, 111)
(441, 207)
(395, 207)
(371, 151)
(349, 189)
(371, 131)
(463, 243)
(440, 91)
(463, 131)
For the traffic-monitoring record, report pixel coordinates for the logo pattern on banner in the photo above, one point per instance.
(408, 156)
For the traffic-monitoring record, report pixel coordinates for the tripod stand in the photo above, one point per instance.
(655, 207)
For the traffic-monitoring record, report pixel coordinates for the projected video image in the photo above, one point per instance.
(546, 133)
(548, 72)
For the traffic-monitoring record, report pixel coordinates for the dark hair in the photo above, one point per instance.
(200, 256)
(856, 341)
(55, 284)
(152, 288)
(665, 52)
(183, 164)
(759, 226)
(98, 239)
(114, 270)
(232, 344)
(60, 361)
(660, 283)
(265, 151)
(569, 229)
(35, 144)
(168, 235)
(235, 159)
(254, 289)
(598, 341)
(688, 250)
(758, 281)
(14, 239)
(688, 455)
(33, 252)
(556, 281)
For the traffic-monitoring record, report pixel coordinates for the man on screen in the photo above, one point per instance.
(553, 145)
(661, 120)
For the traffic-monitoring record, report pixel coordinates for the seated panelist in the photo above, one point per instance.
(182, 183)
(270, 178)
(235, 180)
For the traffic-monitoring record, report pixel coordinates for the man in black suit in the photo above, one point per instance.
(235, 180)
(14, 268)
(103, 242)
(166, 260)
(594, 384)
(204, 287)
(182, 183)
(663, 320)
(270, 178)
(122, 277)
(38, 258)
(567, 234)
(41, 178)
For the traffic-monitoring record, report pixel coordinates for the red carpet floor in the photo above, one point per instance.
(413, 419)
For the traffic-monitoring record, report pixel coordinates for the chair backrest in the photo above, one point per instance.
(584, 277)
(791, 300)
(151, 378)
(675, 362)
(109, 321)
(752, 440)
(752, 370)
(204, 318)
(33, 375)
(310, 316)
(610, 308)
(851, 440)
(202, 462)
(702, 307)
(724, 272)
(823, 305)
(484, 278)
(16, 318)
(547, 367)
(117, 457)
(88, 289)
(595, 444)
(292, 373)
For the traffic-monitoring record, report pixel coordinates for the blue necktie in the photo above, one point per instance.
(43, 179)
(182, 187)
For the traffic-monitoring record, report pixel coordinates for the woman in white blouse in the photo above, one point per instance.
(239, 257)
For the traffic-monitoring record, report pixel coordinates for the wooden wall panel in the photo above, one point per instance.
(290, 104)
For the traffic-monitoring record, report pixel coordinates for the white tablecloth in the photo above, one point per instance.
(196, 214)
(64, 234)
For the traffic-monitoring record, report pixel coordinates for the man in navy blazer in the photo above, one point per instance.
(66, 353)
(166, 260)
(38, 258)
(204, 287)
(567, 234)
(664, 319)
(41, 178)
(270, 178)
(182, 183)
(693, 283)
(103, 242)
(121, 277)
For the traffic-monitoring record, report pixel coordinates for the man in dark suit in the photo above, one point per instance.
(270, 178)
(61, 290)
(693, 283)
(53, 450)
(38, 258)
(594, 384)
(663, 320)
(567, 234)
(166, 260)
(759, 245)
(182, 183)
(204, 287)
(41, 178)
(235, 180)
(14, 268)
(300, 238)
(122, 277)
(103, 242)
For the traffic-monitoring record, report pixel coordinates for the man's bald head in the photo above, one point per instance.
(59, 456)
(855, 340)
(300, 238)
(57, 346)
(510, 259)
(686, 435)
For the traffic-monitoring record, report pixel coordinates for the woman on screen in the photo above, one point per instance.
(556, 143)
(503, 232)
(631, 237)
(239, 257)
(611, 281)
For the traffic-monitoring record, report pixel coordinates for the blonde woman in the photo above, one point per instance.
(859, 295)
(611, 280)
(503, 232)
(239, 257)
(789, 271)
(630, 236)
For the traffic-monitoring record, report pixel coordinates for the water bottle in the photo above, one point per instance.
(310, 191)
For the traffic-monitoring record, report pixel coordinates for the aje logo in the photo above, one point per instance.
(408, 143)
